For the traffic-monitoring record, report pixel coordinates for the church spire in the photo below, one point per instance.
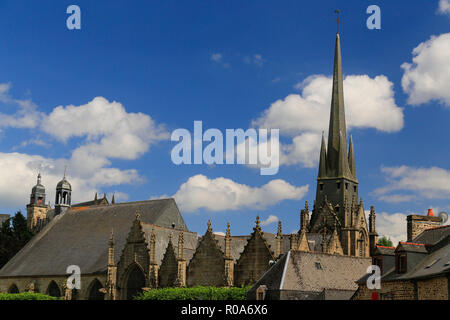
(351, 158)
(323, 159)
(337, 114)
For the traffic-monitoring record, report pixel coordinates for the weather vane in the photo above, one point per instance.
(337, 20)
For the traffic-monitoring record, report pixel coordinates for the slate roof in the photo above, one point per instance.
(411, 247)
(237, 244)
(433, 264)
(433, 235)
(80, 237)
(314, 272)
(389, 251)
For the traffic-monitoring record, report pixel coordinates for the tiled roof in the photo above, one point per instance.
(314, 272)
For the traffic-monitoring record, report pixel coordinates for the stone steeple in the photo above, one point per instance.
(336, 177)
(337, 114)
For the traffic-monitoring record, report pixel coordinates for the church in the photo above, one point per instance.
(124, 248)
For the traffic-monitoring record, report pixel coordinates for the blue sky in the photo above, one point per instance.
(158, 66)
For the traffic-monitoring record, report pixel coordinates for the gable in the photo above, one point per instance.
(207, 266)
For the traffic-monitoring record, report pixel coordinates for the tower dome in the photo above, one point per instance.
(37, 196)
(63, 196)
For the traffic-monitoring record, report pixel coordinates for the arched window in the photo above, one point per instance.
(135, 282)
(362, 244)
(53, 290)
(13, 289)
(94, 291)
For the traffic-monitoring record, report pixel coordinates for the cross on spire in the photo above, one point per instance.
(337, 19)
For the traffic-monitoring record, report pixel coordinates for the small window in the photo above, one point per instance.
(338, 185)
(321, 187)
(318, 266)
(354, 188)
(401, 263)
(346, 186)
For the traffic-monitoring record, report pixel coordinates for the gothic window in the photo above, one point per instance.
(13, 289)
(94, 291)
(53, 290)
(354, 188)
(346, 186)
(135, 282)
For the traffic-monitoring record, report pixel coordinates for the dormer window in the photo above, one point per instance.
(378, 261)
(401, 263)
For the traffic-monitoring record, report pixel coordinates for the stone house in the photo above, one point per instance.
(418, 269)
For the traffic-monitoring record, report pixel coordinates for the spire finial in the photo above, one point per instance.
(209, 225)
(279, 231)
(257, 222)
(138, 215)
(228, 230)
(337, 19)
(65, 170)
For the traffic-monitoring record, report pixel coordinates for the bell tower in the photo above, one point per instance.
(36, 209)
(63, 196)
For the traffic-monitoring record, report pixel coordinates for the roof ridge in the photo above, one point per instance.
(387, 247)
(412, 243)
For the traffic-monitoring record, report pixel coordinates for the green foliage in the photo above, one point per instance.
(195, 293)
(26, 296)
(383, 241)
(14, 235)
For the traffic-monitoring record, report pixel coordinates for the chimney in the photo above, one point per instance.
(417, 223)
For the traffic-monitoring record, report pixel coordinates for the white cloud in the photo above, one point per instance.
(109, 132)
(106, 130)
(369, 103)
(444, 7)
(220, 233)
(407, 183)
(428, 76)
(26, 115)
(217, 57)
(270, 219)
(392, 226)
(224, 194)
(18, 173)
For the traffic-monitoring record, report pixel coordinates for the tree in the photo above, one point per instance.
(384, 241)
(14, 235)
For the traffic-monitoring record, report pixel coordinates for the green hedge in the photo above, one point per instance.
(26, 296)
(195, 293)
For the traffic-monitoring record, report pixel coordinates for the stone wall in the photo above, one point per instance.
(433, 289)
(41, 284)
(417, 223)
(254, 260)
(169, 268)
(207, 266)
